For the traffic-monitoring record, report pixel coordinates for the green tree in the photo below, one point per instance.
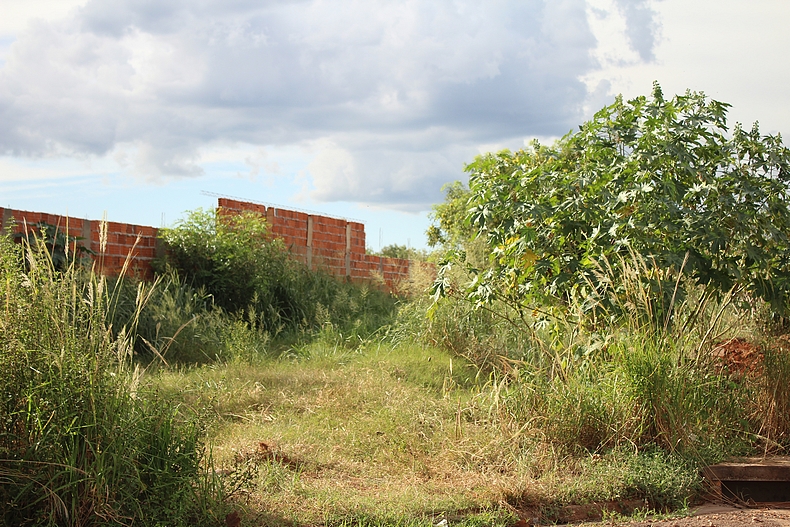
(450, 228)
(402, 251)
(452, 232)
(663, 180)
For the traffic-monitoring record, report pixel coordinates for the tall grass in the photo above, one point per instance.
(80, 444)
(625, 364)
(772, 409)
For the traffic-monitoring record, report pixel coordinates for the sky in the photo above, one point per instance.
(363, 109)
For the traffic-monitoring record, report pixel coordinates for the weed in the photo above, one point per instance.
(665, 481)
(61, 248)
(81, 443)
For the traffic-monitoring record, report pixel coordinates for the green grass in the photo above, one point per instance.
(476, 417)
(375, 431)
(81, 443)
(403, 435)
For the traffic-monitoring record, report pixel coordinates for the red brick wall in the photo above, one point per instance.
(322, 242)
(123, 240)
(333, 244)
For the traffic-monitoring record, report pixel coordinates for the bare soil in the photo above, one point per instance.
(712, 515)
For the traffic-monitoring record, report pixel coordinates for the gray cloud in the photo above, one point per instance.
(642, 26)
(392, 96)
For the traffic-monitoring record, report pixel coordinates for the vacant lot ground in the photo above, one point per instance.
(383, 435)
(716, 516)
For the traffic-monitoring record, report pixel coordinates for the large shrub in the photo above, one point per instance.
(662, 181)
(251, 275)
(614, 257)
(232, 257)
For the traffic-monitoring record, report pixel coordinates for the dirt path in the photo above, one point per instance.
(712, 515)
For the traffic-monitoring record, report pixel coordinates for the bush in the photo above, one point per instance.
(233, 259)
(616, 255)
(179, 324)
(252, 277)
(662, 179)
(586, 383)
(62, 250)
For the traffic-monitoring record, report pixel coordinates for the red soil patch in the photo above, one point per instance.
(738, 356)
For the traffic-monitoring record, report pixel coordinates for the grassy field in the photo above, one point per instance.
(337, 435)
(406, 435)
(145, 403)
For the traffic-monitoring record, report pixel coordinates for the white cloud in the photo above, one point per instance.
(15, 170)
(333, 168)
(641, 28)
(391, 97)
(17, 14)
(728, 49)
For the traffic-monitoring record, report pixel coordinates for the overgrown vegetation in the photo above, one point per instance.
(452, 233)
(401, 251)
(63, 250)
(251, 275)
(588, 386)
(81, 444)
(625, 264)
(662, 179)
(620, 258)
(599, 333)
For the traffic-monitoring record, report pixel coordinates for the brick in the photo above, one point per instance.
(29, 217)
(291, 214)
(329, 245)
(145, 252)
(109, 261)
(331, 229)
(115, 249)
(326, 220)
(146, 231)
(242, 206)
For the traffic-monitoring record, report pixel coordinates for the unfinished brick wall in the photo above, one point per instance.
(122, 239)
(321, 242)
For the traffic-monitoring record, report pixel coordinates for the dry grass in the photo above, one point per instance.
(378, 432)
(330, 434)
